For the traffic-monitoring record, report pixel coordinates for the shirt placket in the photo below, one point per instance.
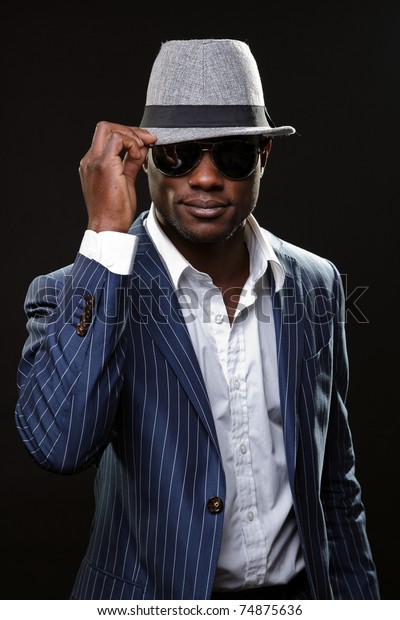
(230, 343)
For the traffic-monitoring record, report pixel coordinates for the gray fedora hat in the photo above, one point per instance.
(206, 88)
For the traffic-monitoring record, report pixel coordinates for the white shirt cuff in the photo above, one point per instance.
(113, 250)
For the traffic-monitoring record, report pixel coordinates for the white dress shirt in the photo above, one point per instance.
(260, 543)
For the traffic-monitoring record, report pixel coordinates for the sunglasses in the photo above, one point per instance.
(235, 159)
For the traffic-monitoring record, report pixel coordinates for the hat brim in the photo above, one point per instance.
(169, 135)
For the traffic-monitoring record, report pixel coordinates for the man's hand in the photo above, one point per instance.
(108, 180)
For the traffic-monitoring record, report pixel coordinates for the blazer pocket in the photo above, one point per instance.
(317, 362)
(317, 379)
(95, 583)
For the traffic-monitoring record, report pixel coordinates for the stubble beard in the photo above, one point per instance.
(207, 238)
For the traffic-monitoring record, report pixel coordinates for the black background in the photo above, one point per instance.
(330, 71)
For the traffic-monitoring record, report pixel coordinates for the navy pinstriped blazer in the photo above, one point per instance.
(126, 394)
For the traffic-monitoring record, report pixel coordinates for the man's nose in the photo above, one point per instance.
(205, 173)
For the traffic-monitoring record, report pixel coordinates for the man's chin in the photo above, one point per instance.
(205, 238)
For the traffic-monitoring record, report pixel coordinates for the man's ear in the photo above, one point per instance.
(264, 155)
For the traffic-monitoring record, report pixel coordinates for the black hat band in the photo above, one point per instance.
(205, 116)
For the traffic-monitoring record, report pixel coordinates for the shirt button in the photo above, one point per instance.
(243, 448)
(250, 516)
(108, 261)
(219, 319)
(237, 383)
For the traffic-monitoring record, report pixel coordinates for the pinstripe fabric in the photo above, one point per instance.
(129, 398)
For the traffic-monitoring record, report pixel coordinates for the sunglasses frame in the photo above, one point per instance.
(208, 147)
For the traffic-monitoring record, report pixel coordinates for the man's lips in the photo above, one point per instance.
(205, 208)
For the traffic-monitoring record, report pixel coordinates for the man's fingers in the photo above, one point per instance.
(120, 137)
(111, 140)
(133, 160)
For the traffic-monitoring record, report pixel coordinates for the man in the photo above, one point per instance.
(197, 361)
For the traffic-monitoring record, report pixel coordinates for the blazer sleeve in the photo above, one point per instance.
(72, 357)
(353, 573)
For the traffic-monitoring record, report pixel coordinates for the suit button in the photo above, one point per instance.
(215, 505)
(81, 329)
(89, 301)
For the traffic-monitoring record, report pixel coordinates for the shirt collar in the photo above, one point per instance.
(260, 249)
(173, 260)
(262, 253)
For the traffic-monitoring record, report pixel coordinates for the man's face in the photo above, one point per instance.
(203, 206)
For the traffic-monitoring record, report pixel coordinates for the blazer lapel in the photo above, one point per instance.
(159, 310)
(288, 308)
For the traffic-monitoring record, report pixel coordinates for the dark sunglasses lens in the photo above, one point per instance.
(236, 159)
(175, 160)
